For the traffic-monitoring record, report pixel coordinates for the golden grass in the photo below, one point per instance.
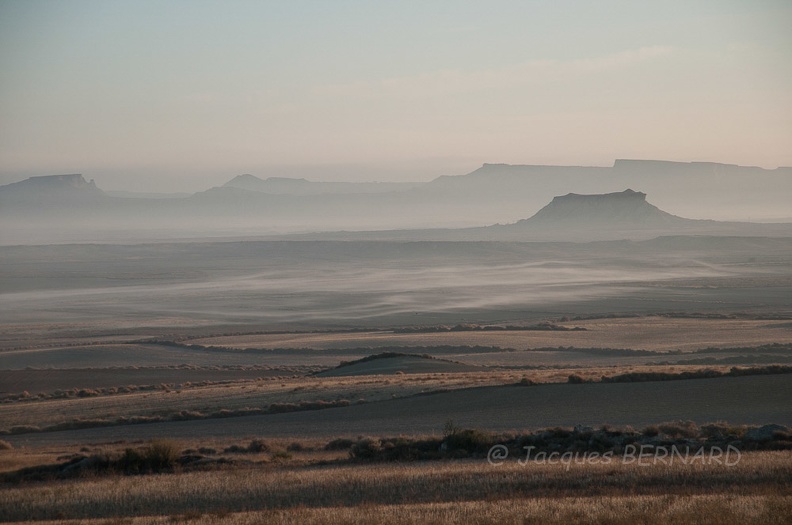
(14, 459)
(431, 490)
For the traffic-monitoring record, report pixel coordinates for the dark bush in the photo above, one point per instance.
(258, 445)
(296, 447)
(680, 429)
(340, 444)
(281, 455)
(366, 449)
(395, 449)
(159, 456)
(473, 441)
(558, 432)
(651, 431)
(87, 392)
(716, 431)
(781, 435)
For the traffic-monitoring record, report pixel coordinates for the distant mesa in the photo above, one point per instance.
(624, 209)
(62, 187)
(448, 208)
(273, 185)
(70, 181)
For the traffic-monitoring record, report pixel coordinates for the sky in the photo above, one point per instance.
(183, 95)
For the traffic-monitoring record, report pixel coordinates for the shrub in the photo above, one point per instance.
(159, 456)
(778, 435)
(575, 379)
(564, 433)
(281, 455)
(680, 429)
(132, 462)
(296, 447)
(365, 449)
(469, 440)
(340, 444)
(651, 431)
(5, 445)
(258, 445)
(720, 430)
(254, 447)
(449, 428)
(87, 392)
(395, 449)
(162, 453)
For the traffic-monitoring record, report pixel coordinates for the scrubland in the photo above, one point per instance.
(756, 490)
(364, 447)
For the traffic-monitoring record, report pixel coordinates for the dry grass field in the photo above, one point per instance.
(755, 490)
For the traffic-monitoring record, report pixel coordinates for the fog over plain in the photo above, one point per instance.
(349, 284)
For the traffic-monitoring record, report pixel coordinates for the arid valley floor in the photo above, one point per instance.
(314, 382)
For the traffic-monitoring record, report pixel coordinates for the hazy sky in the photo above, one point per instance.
(184, 95)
